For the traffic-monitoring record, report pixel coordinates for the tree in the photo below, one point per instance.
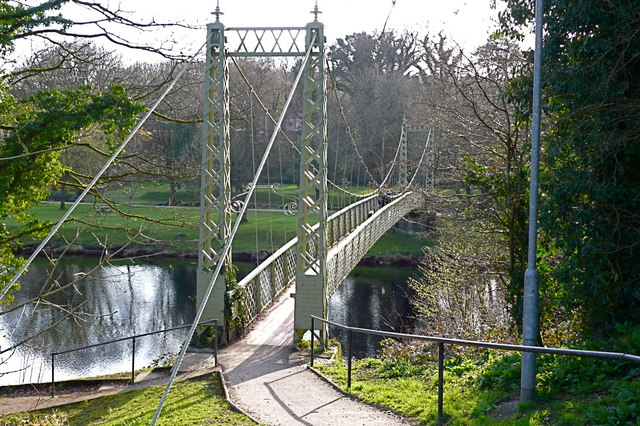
(378, 75)
(39, 125)
(590, 180)
(481, 134)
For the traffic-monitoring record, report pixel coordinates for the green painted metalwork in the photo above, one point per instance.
(402, 156)
(266, 41)
(215, 200)
(311, 271)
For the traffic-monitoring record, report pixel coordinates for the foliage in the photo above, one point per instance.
(198, 400)
(235, 310)
(41, 126)
(480, 389)
(19, 20)
(591, 151)
(460, 290)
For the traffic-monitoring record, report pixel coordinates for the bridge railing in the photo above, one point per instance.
(351, 232)
(342, 222)
(441, 341)
(133, 349)
(262, 285)
(346, 254)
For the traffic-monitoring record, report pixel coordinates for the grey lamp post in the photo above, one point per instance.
(531, 278)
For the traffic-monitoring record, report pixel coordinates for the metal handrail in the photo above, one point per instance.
(133, 348)
(444, 340)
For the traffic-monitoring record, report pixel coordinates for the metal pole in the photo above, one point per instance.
(53, 377)
(215, 343)
(349, 356)
(440, 381)
(531, 278)
(313, 331)
(133, 359)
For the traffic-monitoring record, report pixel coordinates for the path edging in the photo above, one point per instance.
(233, 405)
(355, 398)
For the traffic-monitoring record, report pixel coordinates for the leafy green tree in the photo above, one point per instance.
(590, 182)
(37, 127)
(41, 127)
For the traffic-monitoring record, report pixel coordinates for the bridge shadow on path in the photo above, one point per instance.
(270, 381)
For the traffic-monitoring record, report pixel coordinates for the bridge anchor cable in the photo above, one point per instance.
(98, 175)
(227, 246)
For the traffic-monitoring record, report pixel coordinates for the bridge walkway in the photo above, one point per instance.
(270, 381)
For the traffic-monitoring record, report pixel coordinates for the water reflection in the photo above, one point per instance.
(111, 302)
(124, 299)
(371, 298)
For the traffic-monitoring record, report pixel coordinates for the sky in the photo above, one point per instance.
(467, 22)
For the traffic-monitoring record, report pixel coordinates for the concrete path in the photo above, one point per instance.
(270, 382)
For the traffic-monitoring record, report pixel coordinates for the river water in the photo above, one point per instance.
(123, 299)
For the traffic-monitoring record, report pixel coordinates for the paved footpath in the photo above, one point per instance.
(270, 382)
(265, 378)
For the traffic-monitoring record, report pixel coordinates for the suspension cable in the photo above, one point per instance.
(393, 163)
(344, 118)
(266, 110)
(104, 168)
(424, 150)
(234, 230)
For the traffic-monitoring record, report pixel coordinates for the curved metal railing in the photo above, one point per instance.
(350, 234)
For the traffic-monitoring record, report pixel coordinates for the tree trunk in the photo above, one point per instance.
(62, 195)
(173, 189)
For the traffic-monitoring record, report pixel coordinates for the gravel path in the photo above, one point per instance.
(270, 382)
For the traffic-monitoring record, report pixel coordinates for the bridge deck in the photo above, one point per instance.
(351, 232)
(270, 381)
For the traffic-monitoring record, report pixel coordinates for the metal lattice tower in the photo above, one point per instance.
(311, 271)
(403, 179)
(223, 43)
(215, 198)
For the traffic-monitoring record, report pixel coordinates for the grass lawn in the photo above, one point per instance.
(176, 229)
(157, 193)
(195, 401)
(483, 389)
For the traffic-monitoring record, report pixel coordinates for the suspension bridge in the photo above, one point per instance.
(330, 241)
(327, 247)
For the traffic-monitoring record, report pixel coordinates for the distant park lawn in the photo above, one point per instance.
(195, 401)
(176, 229)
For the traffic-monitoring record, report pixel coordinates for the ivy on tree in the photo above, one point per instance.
(590, 176)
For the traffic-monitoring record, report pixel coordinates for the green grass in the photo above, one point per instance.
(176, 229)
(484, 390)
(394, 242)
(194, 401)
(157, 193)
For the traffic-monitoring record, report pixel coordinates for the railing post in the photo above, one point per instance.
(440, 381)
(133, 359)
(274, 286)
(312, 334)
(53, 377)
(257, 292)
(215, 342)
(349, 356)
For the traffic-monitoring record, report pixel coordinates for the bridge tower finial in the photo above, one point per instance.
(316, 12)
(217, 12)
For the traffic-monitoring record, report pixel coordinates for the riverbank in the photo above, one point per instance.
(394, 260)
(174, 233)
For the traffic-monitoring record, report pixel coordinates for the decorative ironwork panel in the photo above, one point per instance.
(287, 41)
